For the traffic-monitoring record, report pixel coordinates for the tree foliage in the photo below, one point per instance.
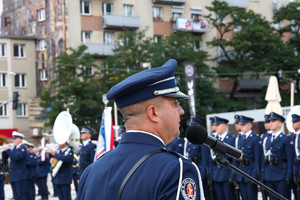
(248, 43)
(138, 49)
(75, 88)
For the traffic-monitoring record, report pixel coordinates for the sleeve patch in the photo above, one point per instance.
(188, 189)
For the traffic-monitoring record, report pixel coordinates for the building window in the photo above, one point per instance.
(2, 50)
(41, 15)
(157, 38)
(2, 80)
(20, 80)
(175, 16)
(42, 45)
(43, 75)
(157, 13)
(107, 9)
(108, 38)
(128, 10)
(85, 37)
(197, 45)
(195, 17)
(21, 110)
(3, 111)
(88, 70)
(85, 8)
(19, 50)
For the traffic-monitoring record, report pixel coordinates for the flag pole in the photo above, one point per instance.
(116, 121)
(292, 94)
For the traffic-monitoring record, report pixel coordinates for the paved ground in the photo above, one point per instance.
(8, 191)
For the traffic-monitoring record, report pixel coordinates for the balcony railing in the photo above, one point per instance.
(237, 3)
(177, 2)
(101, 49)
(118, 21)
(199, 26)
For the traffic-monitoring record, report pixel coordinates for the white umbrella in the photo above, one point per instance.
(273, 97)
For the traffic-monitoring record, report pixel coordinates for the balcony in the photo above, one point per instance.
(120, 22)
(236, 3)
(199, 26)
(173, 2)
(252, 85)
(101, 49)
(278, 5)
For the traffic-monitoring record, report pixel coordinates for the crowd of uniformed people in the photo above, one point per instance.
(30, 166)
(273, 158)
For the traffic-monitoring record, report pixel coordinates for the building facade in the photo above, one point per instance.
(57, 25)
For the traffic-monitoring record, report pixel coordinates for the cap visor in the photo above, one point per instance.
(177, 95)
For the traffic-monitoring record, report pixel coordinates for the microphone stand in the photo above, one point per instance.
(223, 161)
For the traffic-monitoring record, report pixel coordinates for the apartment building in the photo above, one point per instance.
(57, 25)
(17, 73)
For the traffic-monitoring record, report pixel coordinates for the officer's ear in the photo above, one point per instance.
(152, 113)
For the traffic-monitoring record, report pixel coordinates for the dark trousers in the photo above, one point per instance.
(19, 190)
(280, 187)
(248, 190)
(42, 182)
(2, 194)
(29, 189)
(75, 181)
(64, 192)
(224, 191)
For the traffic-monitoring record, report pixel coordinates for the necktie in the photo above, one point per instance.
(273, 138)
(298, 146)
(244, 137)
(217, 136)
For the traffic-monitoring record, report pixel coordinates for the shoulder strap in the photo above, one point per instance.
(134, 168)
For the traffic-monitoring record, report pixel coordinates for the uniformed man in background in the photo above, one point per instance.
(221, 174)
(278, 165)
(87, 149)
(149, 105)
(17, 168)
(31, 163)
(176, 145)
(248, 143)
(63, 178)
(296, 127)
(42, 170)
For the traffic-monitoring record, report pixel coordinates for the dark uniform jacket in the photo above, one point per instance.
(17, 169)
(87, 154)
(31, 163)
(64, 175)
(159, 177)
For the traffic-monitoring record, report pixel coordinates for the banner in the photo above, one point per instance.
(190, 25)
(189, 71)
(106, 133)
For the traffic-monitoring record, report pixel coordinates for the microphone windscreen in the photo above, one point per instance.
(196, 134)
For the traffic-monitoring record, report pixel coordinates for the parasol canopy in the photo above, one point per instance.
(273, 97)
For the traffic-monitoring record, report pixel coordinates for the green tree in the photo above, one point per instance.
(75, 88)
(138, 49)
(289, 19)
(254, 46)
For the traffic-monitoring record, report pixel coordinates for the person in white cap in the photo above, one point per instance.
(17, 168)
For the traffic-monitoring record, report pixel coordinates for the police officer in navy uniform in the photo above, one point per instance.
(63, 178)
(200, 155)
(278, 158)
(176, 145)
(221, 174)
(42, 170)
(149, 105)
(31, 163)
(296, 127)
(87, 150)
(17, 168)
(247, 142)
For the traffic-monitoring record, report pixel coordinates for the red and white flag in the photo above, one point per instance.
(106, 133)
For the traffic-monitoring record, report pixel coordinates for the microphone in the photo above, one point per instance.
(196, 134)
